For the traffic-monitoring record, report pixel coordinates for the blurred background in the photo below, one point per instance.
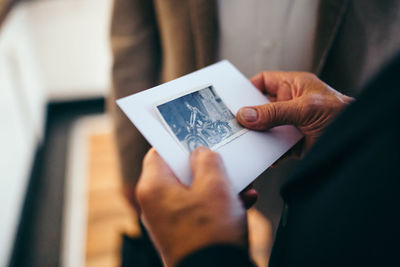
(54, 76)
(60, 186)
(61, 201)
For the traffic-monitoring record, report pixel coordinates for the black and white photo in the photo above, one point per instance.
(200, 118)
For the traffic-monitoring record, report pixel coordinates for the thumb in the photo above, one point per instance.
(266, 116)
(208, 169)
(156, 176)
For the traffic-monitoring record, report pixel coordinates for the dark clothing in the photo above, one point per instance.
(218, 256)
(342, 201)
(139, 252)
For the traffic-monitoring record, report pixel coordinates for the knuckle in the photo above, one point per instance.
(306, 80)
(313, 104)
(144, 192)
(314, 101)
(141, 191)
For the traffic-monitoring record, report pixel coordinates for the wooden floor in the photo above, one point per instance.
(109, 214)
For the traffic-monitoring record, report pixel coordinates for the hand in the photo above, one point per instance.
(181, 219)
(297, 98)
(249, 196)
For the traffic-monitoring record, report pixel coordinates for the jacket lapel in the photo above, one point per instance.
(341, 136)
(330, 16)
(204, 23)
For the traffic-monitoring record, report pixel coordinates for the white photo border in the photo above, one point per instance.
(184, 93)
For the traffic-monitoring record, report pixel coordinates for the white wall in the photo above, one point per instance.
(49, 50)
(21, 122)
(71, 41)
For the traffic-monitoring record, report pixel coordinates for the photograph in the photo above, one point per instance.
(200, 118)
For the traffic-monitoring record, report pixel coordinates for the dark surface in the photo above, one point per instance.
(139, 252)
(218, 255)
(39, 234)
(342, 201)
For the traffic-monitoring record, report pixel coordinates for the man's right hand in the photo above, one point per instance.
(182, 219)
(297, 98)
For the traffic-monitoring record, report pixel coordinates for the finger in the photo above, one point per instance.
(266, 116)
(207, 168)
(154, 167)
(275, 83)
(156, 174)
(248, 196)
(258, 82)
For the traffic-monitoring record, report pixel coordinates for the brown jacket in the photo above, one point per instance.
(155, 41)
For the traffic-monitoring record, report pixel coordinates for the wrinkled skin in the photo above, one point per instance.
(297, 98)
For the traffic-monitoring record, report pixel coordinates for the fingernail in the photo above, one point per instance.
(248, 114)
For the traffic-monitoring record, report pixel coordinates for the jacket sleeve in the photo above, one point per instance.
(218, 255)
(136, 56)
